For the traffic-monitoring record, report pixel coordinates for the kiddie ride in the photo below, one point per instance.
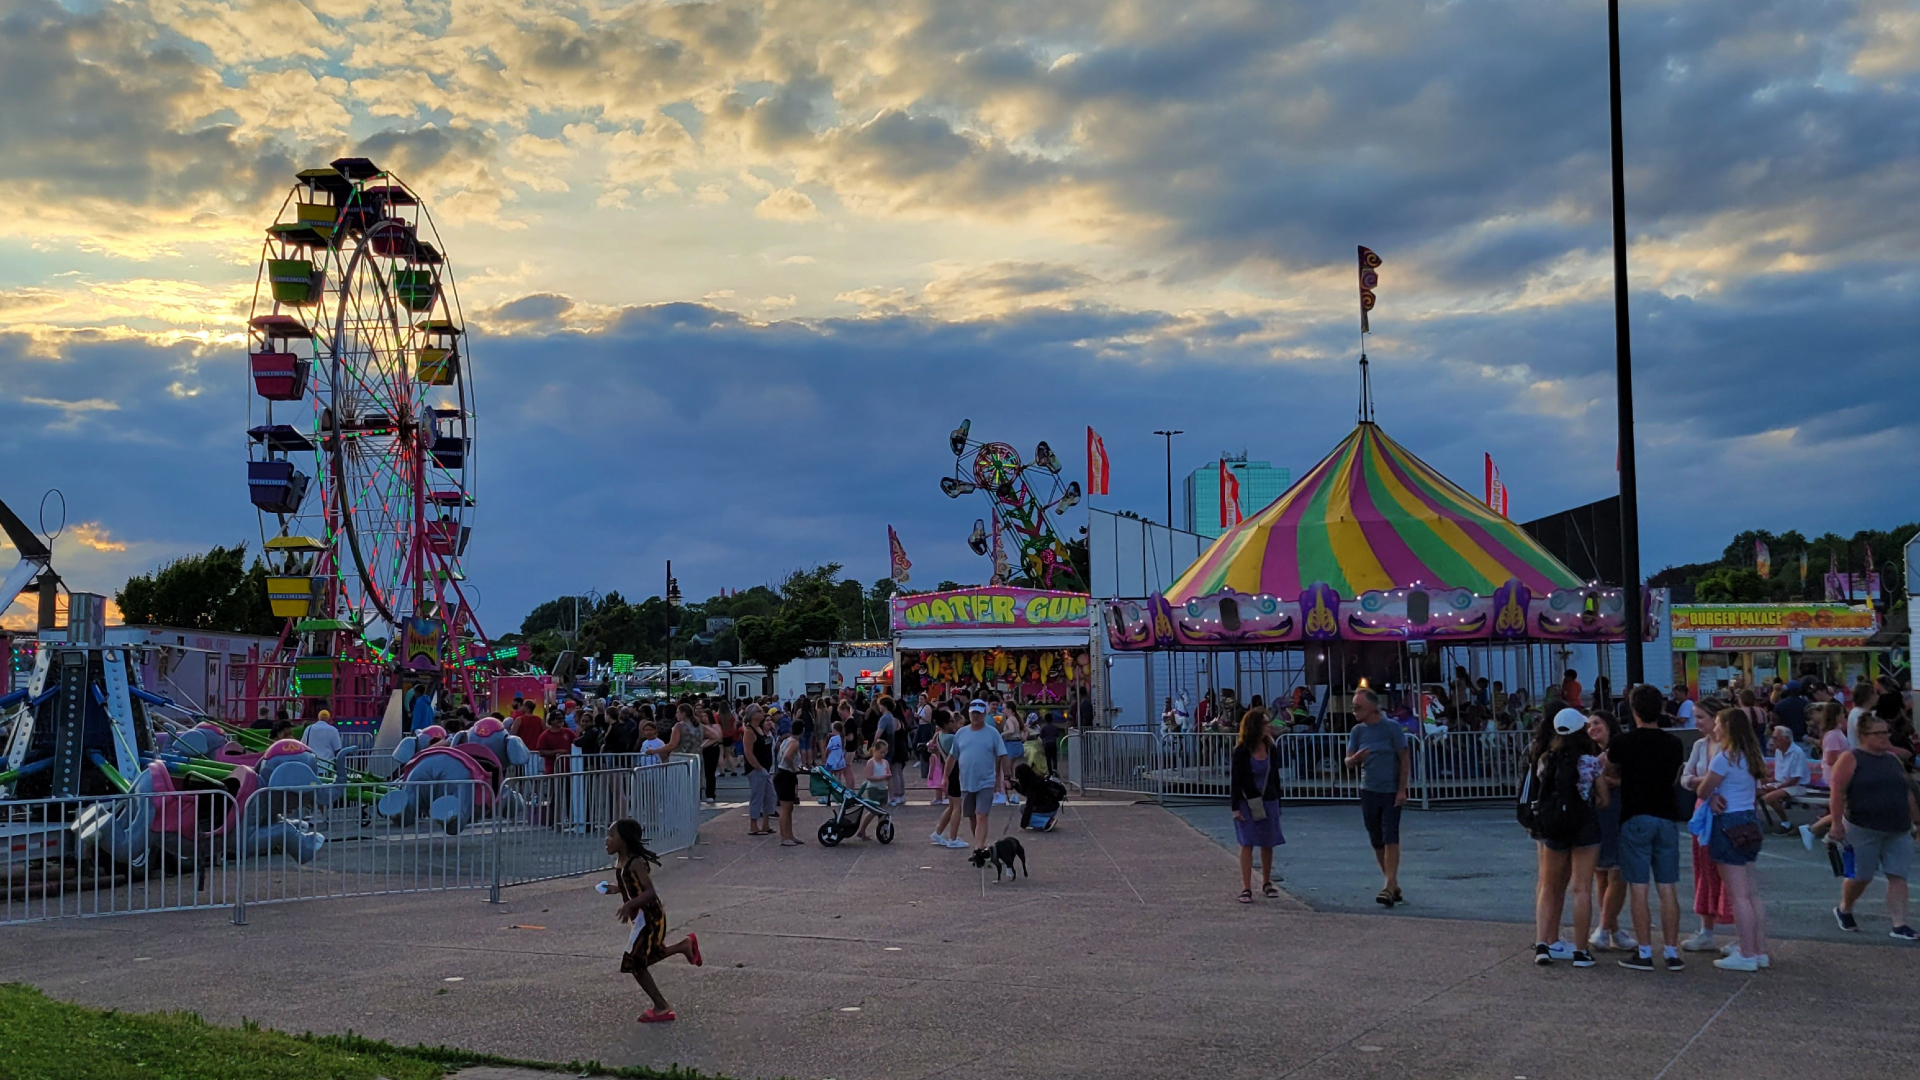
(455, 781)
(81, 736)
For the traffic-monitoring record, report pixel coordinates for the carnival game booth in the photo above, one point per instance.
(1375, 570)
(1027, 644)
(1712, 643)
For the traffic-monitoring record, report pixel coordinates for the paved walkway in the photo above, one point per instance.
(1121, 956)
(1478, 864)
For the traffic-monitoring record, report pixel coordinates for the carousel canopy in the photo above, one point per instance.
(1372, 517)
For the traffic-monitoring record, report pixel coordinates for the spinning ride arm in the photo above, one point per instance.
(35, 558)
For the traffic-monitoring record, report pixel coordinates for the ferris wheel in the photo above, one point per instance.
(361, 420)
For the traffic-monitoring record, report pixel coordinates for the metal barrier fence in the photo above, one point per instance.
(72, 858)
(1450, 767)
(1469, 765)
(555, 824)
(69, 858)
(334, 841)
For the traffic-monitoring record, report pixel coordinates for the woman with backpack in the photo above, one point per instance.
(1731, 785)
(1568, 830)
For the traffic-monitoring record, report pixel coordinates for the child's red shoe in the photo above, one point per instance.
(655, 1016)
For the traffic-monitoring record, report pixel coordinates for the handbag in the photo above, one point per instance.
(937, 773)
(1745, 837)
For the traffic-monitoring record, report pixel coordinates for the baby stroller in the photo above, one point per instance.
(848, 808)
(1040, 796)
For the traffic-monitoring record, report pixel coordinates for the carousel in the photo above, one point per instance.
(1374, 570)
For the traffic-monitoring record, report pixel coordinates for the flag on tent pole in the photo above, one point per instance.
(1369, 281)
(1496, 497)
(1762, 559)
(1229, 496)
(1097, 463)
(897, 557)
(1803, 568)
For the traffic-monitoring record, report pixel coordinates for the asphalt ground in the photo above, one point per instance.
(1476, 863)
(1122, 955)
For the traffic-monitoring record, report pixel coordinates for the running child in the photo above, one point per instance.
(641, 906)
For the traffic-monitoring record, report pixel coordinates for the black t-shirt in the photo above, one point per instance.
(1649, 761)
(1792, 711)
(762, 752)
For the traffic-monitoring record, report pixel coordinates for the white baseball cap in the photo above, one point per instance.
(1568, 721)
(977, 706)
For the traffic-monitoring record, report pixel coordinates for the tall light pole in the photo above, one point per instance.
(673, 625)
(1170, 435)
(1623, 370)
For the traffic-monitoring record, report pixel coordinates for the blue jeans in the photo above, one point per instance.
(1649, 848)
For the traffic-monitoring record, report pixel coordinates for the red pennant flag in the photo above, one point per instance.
(897, 557)
(1229, 496)
(1097, 464)
(1496, 497)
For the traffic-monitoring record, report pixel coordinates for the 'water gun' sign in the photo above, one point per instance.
(990, 607)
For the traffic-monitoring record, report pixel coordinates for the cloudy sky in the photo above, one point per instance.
(734, 269)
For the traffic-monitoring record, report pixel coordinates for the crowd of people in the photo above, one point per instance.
(1609, 785)
(1608, 791)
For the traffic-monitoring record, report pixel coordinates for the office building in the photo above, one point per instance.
(1260, 484)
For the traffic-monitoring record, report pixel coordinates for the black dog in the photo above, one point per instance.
(1002, 854)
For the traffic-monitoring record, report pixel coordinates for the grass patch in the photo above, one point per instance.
(44, 1039)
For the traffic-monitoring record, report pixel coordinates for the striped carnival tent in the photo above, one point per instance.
(1372, 544)
(1372, 517)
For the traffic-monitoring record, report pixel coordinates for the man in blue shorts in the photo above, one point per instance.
(1645, 764)
(1378, 748)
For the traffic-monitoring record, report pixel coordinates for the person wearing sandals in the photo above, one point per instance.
(640, 905)
(1378, 748)
(1256, 802)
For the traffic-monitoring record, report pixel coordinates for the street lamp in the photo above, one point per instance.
(1623, 370)
(1170, 435)
(673, 626)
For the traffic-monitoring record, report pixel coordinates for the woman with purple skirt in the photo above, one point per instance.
(1256, 802)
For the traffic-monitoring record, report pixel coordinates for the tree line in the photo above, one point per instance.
(1734, 578)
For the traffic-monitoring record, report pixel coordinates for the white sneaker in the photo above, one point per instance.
(999, 800)
(1623, 940)
(1600, 939)
(1736, 962)
(956, 842)
(1701, 941)
(1733, 952)
(1561, 950)
(1806, 837)
(936, 838)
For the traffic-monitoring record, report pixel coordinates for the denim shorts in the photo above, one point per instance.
(1649, 850)
(1380, 811)
(1609, 818)
(1720, 849)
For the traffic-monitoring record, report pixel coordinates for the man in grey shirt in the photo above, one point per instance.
(1378, 748)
